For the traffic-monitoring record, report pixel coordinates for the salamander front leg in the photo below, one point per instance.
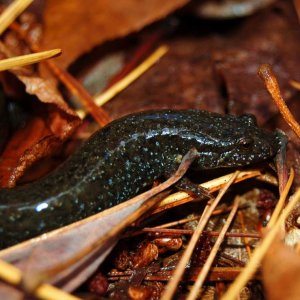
(193, 189)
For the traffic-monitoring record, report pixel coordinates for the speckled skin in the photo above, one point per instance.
(122, 159)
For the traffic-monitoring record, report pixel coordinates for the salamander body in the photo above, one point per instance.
(122, 160)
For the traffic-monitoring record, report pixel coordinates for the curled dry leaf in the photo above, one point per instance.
(51, 122)
(21, 153)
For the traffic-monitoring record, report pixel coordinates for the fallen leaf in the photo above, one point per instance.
(51, 123)
(281, 272)
(244, 51)
(77, 27)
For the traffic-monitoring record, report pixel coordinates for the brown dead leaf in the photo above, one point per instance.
(20, 153)
(281, 272)
(243, 52)
(76, 26)
(52, 121)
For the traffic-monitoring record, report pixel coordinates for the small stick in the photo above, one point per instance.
(173, 283)
(258, 254)
(12, 12)
(215, 274)
(186, 220)
(13, 276)
(115, 89)
(281, 201)
(23, 60)
(196, 289)
(171, 231)
(266, 73)
(77, 89)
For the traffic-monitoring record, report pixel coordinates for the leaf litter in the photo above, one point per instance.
(215, 72)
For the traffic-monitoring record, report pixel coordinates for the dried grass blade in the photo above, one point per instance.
(12, 12)
(23, 60)
(173, 283)
(267, 75)
(111, 92)
(258, 254)
(13, 276)
(194, 293)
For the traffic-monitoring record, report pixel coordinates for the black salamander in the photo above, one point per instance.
(122, 160)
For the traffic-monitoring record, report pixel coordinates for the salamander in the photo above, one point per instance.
(124, 158)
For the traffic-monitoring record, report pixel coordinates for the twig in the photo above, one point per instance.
(205, 269)
(281, 201)
(267, 75)
(186, 220)
(171, 231)
(215, 274)
(13, 276)
(77, 90)
(172, 284)
(23, 60)
(111, 92)
(190, 232)
(12, 12)
(260, 251)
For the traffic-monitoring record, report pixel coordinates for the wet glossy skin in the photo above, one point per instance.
(121, 160)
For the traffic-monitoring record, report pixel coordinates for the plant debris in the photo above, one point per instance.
(215, 49)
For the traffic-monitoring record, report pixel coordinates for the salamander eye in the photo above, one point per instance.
(246, 142)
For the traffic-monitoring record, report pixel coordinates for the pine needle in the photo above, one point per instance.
(12, 12)
(23, 60)
(281, 201)
(194, 293)
(260, 251)
(13, 276)
(173, 283)
(115, 89)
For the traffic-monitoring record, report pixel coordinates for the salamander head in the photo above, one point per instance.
(239, 142)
